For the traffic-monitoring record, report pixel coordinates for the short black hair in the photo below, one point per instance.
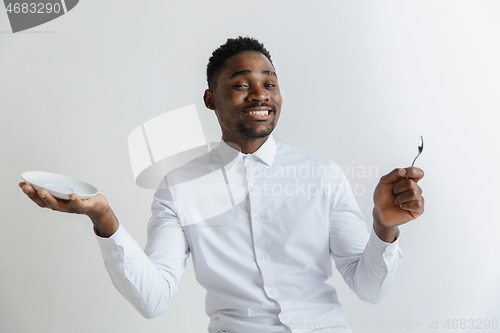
(232, 47)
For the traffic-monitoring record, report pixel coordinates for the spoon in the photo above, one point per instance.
(420, 148)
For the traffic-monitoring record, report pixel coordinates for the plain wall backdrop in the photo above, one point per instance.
(361, 80)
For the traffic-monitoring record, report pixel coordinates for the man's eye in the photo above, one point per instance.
(241, 86)
(270, 85)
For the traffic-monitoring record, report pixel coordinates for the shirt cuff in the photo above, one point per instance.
(114, 247)
(382, 250)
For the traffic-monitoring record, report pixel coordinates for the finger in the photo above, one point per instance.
(402, 173)
(405, 185)
(415, 173)
(53, 203)
(393, 176)
(407, 196)
(77, 202)
(32, 194)
(416, 206)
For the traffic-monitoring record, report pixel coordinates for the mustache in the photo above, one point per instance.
(257, 105)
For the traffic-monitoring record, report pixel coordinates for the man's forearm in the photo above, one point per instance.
(387, 234)
(105, 224)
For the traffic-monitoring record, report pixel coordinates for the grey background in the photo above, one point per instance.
(361, 80)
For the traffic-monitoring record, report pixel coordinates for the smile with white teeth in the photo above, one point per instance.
(260, 113)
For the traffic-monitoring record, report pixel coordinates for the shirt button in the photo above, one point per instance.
(252, 181)
(117, 248)
(272, 292)
(387, 254)
(285, 317)
(256, 218)
(127, 280)
(263, 257)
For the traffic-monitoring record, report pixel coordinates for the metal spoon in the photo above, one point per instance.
(420, 148)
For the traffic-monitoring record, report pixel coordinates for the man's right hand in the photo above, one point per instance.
(96, 207)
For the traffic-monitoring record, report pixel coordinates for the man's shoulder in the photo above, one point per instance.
(195, 168)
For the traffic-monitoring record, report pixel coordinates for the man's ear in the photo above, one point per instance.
(209, 99)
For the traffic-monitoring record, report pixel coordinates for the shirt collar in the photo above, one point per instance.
(231, 156)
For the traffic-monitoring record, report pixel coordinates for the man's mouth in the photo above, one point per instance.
(258, 113)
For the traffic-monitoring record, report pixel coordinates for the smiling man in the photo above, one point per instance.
(262, 233)
(244, 93)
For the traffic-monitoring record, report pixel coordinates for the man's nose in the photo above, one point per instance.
(258, 94)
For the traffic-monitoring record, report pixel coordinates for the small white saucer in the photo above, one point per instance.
(59, 186)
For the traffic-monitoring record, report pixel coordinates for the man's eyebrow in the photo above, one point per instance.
(248, 72)
(269, 73)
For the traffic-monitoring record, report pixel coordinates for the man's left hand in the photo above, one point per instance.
(398, 199)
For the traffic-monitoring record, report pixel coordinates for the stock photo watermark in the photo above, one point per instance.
(24, 15)
(310, 179)
(357, 174)
(449, 324)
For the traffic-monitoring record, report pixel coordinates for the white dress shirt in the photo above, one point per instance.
(261, 229)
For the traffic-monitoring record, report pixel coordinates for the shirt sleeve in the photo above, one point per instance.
(148, 279)
(367, 264)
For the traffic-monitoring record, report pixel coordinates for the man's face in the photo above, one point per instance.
(247, 98)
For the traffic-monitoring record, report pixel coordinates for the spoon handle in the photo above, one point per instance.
(415, 159)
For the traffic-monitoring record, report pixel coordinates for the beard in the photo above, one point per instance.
(249, 133)
(245, 131)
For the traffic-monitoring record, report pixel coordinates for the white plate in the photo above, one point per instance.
(59, 186)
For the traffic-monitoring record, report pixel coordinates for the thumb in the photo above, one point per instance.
(394, 176)
(78, 204)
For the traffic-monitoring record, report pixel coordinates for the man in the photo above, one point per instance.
(261, 233)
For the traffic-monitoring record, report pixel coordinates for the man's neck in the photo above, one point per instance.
(246, 146)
